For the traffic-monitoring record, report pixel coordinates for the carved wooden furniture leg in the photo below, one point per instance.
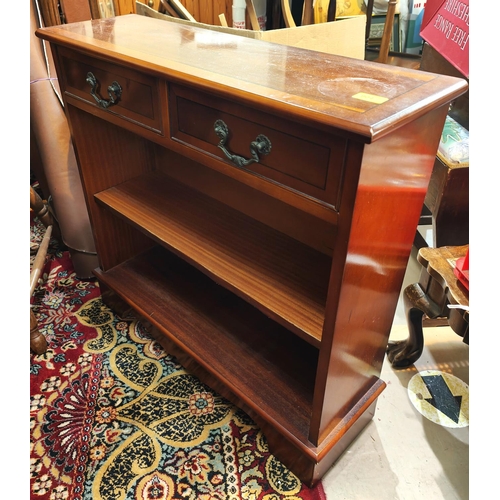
(39, 208)
(37, 341)
(438, 286)
(42, 213)
(403, 353)
(38, 344)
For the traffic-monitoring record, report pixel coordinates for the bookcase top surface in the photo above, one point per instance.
(365, 98)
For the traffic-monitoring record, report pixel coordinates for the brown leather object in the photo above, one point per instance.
(53, 140)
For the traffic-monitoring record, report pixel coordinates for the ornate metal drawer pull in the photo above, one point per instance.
(261, 145)
(114, 91)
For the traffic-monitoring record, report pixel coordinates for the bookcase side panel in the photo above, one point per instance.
(109, 155)
(393, 181)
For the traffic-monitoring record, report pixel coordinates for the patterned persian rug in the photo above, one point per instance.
(115, 417)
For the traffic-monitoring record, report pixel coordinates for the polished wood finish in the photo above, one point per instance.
(437, 290)
(303, 158)
(274, 281)
(287, 280)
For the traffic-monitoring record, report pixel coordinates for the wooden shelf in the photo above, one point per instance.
(282, 277)
(268, 367)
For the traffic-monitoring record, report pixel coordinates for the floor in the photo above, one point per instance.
(404, 454)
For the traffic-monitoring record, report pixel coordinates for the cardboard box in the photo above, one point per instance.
(344, 37)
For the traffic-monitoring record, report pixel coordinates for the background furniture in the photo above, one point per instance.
(437, 289)
(257, 219)
(446, 205)
(447, 202)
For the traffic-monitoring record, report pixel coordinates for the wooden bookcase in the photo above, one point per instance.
(271, 269)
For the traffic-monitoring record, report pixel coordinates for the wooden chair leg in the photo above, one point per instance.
(38, 343)
(41, 210)
(386, 36)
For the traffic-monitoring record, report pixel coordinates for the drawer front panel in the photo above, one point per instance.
(300, 158)
(139, 101)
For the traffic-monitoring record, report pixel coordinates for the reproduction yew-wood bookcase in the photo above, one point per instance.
(256, 203)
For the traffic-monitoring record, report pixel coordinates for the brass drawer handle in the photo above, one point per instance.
(114, 91)
(261, 145)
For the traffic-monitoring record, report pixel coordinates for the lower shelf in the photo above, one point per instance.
(270, 369)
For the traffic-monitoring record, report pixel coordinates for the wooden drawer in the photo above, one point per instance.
(139, 101)
(300, 158)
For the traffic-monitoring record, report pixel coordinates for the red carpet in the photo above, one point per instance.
(113, 416)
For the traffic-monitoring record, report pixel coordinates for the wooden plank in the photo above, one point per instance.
(222, 19)
(254, 22)
(181, 10)
(168, 9)
(193, 6)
